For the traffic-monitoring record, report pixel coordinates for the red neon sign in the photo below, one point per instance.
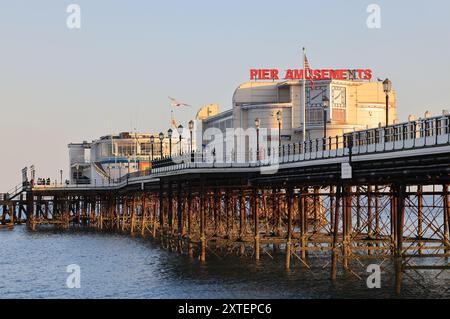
(313, 75)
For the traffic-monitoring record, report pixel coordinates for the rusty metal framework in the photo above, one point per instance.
(197, 217)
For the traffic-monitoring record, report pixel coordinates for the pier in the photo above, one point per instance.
(393, 204)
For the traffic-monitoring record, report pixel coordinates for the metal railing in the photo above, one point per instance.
(409, 135)
(14, 191)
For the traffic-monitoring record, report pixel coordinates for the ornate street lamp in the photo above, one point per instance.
(191, 129)
(152, 141)
(180, 131)
(169, 135)
(161, 139)
(279, 118)
(387, 87)
(257, 125)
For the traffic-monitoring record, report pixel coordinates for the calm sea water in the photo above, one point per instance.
(33, 265)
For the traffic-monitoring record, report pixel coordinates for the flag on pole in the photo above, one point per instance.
(305, 64)
(172, 120)
(307, 70)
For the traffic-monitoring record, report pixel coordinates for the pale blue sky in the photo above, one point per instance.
(59, 85)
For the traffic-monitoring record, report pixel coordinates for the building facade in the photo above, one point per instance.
(276, 108)
(111, 157)
(352, 106)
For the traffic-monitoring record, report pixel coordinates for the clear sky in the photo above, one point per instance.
(59, 85)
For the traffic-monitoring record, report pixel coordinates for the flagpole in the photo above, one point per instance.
(113, 151)
(304, 100)
(112, 148)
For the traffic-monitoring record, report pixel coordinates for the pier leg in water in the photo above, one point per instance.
(303, 222)
(227, 214)
(145, 215)
(393, 220)
(170, 212)
(30, 210)
(133, 215)
(4, 214)
(119, 208)
(189, 227)
(242, 223)
(420, 217)
(400, 216)
(289, 193)
(161, 212)
(334, 256)
(275, 212)
(256, 221)
(377, 214)
(179, 218)
(154, 212)
(12, 211)
(202, 226)
(346, 223)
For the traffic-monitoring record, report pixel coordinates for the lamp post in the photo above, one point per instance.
(191, 129)
(387, 87)
(257, 125)
(279, 117)
(326, 104)
(180, 131)
(161, 139)
(152, 141)
(169, 135)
